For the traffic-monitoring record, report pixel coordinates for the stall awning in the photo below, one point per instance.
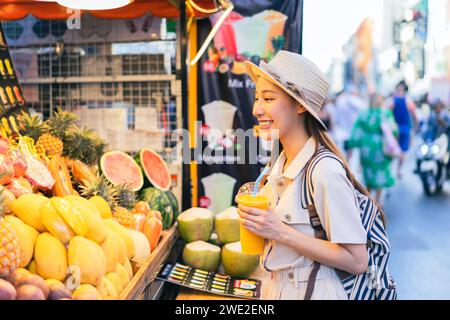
(19, 9)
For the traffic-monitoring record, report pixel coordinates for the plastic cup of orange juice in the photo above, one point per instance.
(250, 242)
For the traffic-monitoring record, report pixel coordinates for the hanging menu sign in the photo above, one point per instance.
(211, 282)
(11, 98)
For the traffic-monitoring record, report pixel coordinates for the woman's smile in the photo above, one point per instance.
(265, 124)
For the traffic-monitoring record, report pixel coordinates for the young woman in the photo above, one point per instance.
(290, 91)
(368, 137)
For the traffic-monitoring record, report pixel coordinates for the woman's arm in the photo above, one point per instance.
(412, 109)
(351, 258)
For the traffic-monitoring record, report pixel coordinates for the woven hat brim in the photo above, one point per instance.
(254, 71)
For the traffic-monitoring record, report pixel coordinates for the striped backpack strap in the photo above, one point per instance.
(314, 219)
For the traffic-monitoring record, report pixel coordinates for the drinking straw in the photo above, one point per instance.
(263, 173)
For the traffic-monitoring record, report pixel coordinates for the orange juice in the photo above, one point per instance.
(251, 243)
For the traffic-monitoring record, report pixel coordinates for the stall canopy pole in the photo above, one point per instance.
(186, 186)
(192, 116)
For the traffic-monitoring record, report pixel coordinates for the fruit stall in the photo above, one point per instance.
(81, 218)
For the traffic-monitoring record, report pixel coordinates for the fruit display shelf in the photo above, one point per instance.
(145, 272)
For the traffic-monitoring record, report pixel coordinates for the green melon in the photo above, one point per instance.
(119, 168)
(155, 169)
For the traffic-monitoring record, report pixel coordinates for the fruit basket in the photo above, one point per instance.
(76, 220)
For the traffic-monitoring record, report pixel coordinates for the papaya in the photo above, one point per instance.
(58, 169)
(152, 230)
(82, 173)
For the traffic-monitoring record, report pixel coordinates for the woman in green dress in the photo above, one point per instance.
(368, 137)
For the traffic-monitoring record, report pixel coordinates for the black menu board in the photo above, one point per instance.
(211, 282)
(11, 97)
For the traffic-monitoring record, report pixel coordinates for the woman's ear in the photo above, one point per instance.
(301, 109)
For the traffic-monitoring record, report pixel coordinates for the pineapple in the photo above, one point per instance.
(126, 197)
(9, 248)
(50, 145)
(103, 188)
(30, 126)
(84, 145)
(60, 123)
(123, 216)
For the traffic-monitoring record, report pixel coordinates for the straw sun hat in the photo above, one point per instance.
(297, 76)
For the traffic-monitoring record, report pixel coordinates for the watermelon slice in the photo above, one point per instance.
(119, 168)
(155, 169)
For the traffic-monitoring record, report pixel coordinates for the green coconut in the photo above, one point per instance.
(195, 224)
(227, 225)
(202, 255)
(236, 263)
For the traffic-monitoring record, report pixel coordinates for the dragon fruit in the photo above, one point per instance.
(38, 174)
(16, 158)
(6, 170)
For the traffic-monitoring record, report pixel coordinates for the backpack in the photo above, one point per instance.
(376, 283)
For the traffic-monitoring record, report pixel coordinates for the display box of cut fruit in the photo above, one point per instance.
(77, 222)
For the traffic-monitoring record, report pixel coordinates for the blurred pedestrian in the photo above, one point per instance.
(327, 113)
(438, 122)
(368, 137)
(404, 110)
(348, 105)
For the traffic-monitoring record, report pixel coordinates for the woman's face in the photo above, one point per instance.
(275, 110)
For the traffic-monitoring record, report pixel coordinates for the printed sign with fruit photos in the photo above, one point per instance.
(11, 97)
(220, 284)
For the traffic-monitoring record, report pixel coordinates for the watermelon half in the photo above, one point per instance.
(119, 168)
(155, 169)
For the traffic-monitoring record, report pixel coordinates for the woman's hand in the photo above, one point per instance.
(263, 223)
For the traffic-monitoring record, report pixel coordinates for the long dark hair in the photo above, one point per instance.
(314, 129)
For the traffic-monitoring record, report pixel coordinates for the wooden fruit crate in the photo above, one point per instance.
(145, 272)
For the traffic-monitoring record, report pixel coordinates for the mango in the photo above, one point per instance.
(128, 267)
(123, 275)
(71, 215)
(88, 205)
(27, 206)
(54, 223)
(90, 259)
(96, 230)
(50, 257)
(123, 233)
(111, 248)
(86, 292)
(102, 206)
(115, 280)
(107, 290)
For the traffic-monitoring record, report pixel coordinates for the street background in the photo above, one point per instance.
(402, 40)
